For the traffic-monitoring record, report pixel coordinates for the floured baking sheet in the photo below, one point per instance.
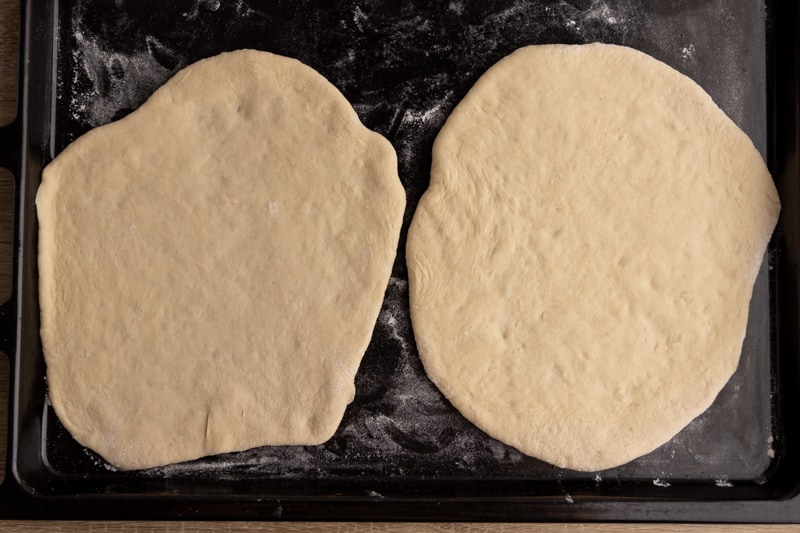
(404, 68)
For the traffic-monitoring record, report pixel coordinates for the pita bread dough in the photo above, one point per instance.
(212, 265)
(581, 265)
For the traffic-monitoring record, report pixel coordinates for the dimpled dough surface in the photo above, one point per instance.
(582, 263)
(212, 265)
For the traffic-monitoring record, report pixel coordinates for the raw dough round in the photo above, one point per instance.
(212, 266)
(581, 265)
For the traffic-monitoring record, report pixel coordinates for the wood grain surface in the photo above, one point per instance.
(9, 12)
(381, 527)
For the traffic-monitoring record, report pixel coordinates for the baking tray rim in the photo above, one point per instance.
(20, 497)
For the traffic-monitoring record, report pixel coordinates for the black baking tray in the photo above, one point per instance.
(402, 452)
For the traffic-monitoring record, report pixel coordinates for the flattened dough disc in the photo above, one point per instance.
(581, 265)
(212, 265)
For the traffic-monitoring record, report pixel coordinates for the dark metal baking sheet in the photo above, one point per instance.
(402, 451)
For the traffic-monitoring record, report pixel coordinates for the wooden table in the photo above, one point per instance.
(8, 88)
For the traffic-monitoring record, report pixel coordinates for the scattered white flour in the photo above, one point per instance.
(658, 482)
(210, 5)
(456, 7)
(599, 10)
(687, 52)
(502, 452)
(394, 316)
(430, 115)
(515, 10)
(121, 81)
(98, 461)
(723, 483)
(242, 9)
(359, 18)
(589, 22)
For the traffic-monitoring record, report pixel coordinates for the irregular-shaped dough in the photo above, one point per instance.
(212, 265)
(581, 265)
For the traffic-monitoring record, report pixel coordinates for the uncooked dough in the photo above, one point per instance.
(212, 266)
(581, 265)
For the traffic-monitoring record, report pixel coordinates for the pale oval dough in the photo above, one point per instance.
(581, 266)
(211, 266)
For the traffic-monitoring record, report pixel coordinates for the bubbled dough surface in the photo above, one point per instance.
(212, 265)
(581, 265)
